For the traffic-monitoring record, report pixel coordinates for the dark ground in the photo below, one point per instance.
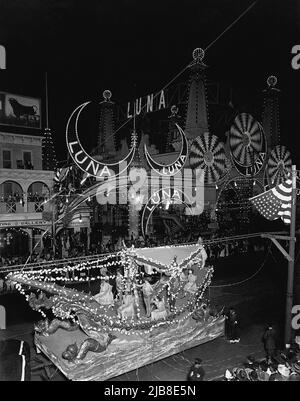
(259, 301)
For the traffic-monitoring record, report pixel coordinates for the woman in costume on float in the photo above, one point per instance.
(191, 286)
(105, 296)
(203, 252)
(119, 286)
(160, 311)
(147, 291)
(127, 309)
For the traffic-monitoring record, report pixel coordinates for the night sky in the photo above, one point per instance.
(135, 47)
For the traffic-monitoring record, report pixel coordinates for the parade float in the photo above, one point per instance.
(100, 336)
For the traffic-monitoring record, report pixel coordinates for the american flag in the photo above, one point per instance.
(61, 210)
(60, 175)
(276, 202)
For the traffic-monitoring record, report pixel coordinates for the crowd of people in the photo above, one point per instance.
(277, 365)
(282, 366)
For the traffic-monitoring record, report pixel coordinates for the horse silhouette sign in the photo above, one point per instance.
(21, 111)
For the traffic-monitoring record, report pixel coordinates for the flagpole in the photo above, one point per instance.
(53, 228)
(291, 265)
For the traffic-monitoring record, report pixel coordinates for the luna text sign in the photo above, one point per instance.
(20, 111)
(147, 104)
(255, 168)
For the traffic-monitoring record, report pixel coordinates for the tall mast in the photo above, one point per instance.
(197, 115)
(106, 135)
(48, 152)
(47, 111)
(270, 114)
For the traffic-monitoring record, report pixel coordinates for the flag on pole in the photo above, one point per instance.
(60, 176)
(61, 211)
(276, 202)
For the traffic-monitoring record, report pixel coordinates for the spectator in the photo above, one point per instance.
(269, 339)
(196, 372)
(232, 326)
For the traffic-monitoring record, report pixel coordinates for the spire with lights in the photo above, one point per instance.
(48, 151)
(136, 162)
(197, 115)
(134, 204)
(270, 114)
(106, 136)
(173, 134)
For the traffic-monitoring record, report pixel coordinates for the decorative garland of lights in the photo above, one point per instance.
(106, 321)
(207, 243)
(127, 261)
(52, 264)
(82, 266)
(174, 268)
(22, 292)
(159, 264)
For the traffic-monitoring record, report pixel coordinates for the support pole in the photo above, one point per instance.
(282, 250)
(54, 206)
(290, 279)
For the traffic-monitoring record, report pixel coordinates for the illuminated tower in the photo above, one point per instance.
(134, 205)
(270, 114)
(48, 151)
(197, 116)
(49, 161)
(106, 137)
(173, 134)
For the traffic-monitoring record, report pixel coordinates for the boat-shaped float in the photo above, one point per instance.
(151, 305)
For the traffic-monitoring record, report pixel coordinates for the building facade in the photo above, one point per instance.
(25, 188)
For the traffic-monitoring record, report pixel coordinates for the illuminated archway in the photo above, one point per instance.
(153, 203)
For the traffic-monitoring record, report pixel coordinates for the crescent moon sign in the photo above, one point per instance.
(84, 161)
(173, 168)
(157, 198)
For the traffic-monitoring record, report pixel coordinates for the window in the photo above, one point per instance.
(6, 158)
(27, 160)
(8, 189)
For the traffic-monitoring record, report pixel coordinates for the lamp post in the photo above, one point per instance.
(291, 264)
(53, 228)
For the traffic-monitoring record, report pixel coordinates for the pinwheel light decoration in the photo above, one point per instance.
(208, 153)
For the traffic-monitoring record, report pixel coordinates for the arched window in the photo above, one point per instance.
(11, 197)
(38, 190)
(38, 193)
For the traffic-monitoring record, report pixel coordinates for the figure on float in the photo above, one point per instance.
(147, 291)
(203, 252)
(127, 309)
(191, 286)
(160, 312)
(119, 286)
(105, 296)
